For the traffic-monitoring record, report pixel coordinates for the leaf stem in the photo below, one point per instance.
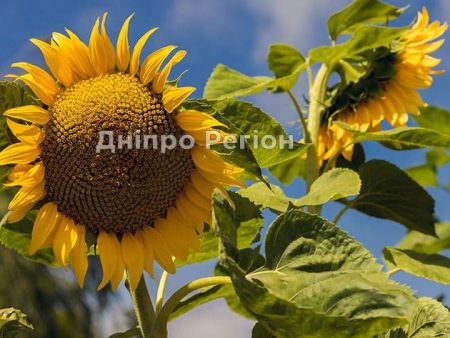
(143, 308)
(301, 115)
(160, 327)
(318, 93)
(161, 291)
(341, 213)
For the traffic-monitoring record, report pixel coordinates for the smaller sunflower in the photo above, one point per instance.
(389, 93)
(140, 205)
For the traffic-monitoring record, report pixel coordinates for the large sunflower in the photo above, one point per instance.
(141, 205)
(389, 93)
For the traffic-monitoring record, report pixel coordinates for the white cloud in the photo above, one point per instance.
(211, 320)
(300, 23)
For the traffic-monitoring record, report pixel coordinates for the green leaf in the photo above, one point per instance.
(134, 332)
(365, 39)
(17, 237)
(11, 321)
(423, 174)
(388, 192)
(358, 13)
(225, 82)
(289, 170)
(318, 282)
(265, 197)
(433, 267)
(403, 138)
(259, 331)
(430, 319)
(247, 221)
(427, 244)
(334, 184)
(434, 118)
(284, 59)
(246, 119)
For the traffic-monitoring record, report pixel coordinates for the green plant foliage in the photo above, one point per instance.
(134, 332)
(317, 282)
(365, 39)
(284, 59)
(334, 184)
(433, 267)
(259, 331)
(388, 192)
(419, 242)
(361, 12)
(265, 197)
(427, 174)
(248, 223)
(225, 83)
(289, 170)
(12, 321)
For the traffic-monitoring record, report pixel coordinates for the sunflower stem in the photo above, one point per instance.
(143, 308)
(161, 291)
(160, 327)
(300, 115)
(318, 93)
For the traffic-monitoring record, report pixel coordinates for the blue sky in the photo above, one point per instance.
(236, 33)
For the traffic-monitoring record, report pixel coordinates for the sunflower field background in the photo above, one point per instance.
(239, 248)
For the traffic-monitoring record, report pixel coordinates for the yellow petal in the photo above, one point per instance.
(80, 56)
(133, 255)
(200, 184)
(148, 251)
(101, 51)
(18, 214)
(45, 96)
(44, 224)
(65, 240)
(33, 114)
(26, 133)
(109, 249)
(160, 79)
(27, 195)
(177, 244)
(108, 46)
(192, 214)
(191, 120)
(40, 76)
(152, 63)
(78, 256)
(160, 249)
(56, 62)
(123, 48)
(173, 97)
(186, 231)
(119, 273)
(136, 55)
(26, 175)
(19, 153)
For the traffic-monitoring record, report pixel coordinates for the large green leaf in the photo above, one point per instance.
(134, 332)
(430, 319)
(433, 267)
(289, 170)
(265, 197)
(317, 282)
(225, 82)
(358, 13)
(250, 121)
(388, 192)
(403, 138)
(427, 244)
(434, 118)
(284, 59)
(365, 39)
(247, 222)
(17, 237)
(334, 184)
(12, 321)
(427, 174)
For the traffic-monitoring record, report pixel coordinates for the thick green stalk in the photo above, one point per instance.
(143, 308)
(161, 291)
(160, 327)
(316, 108)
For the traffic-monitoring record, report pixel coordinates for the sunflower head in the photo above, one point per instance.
(388, 92)
(140, 204)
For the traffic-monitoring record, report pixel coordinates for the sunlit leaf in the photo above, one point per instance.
(317, 282)
(12, 321)
(358, 13)
(334, 184)
(388, 192)
(434, 118)
(427, 244)
(134, 332)
(284, 59)
(265, 197)
(433, 267)
(430, 319)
